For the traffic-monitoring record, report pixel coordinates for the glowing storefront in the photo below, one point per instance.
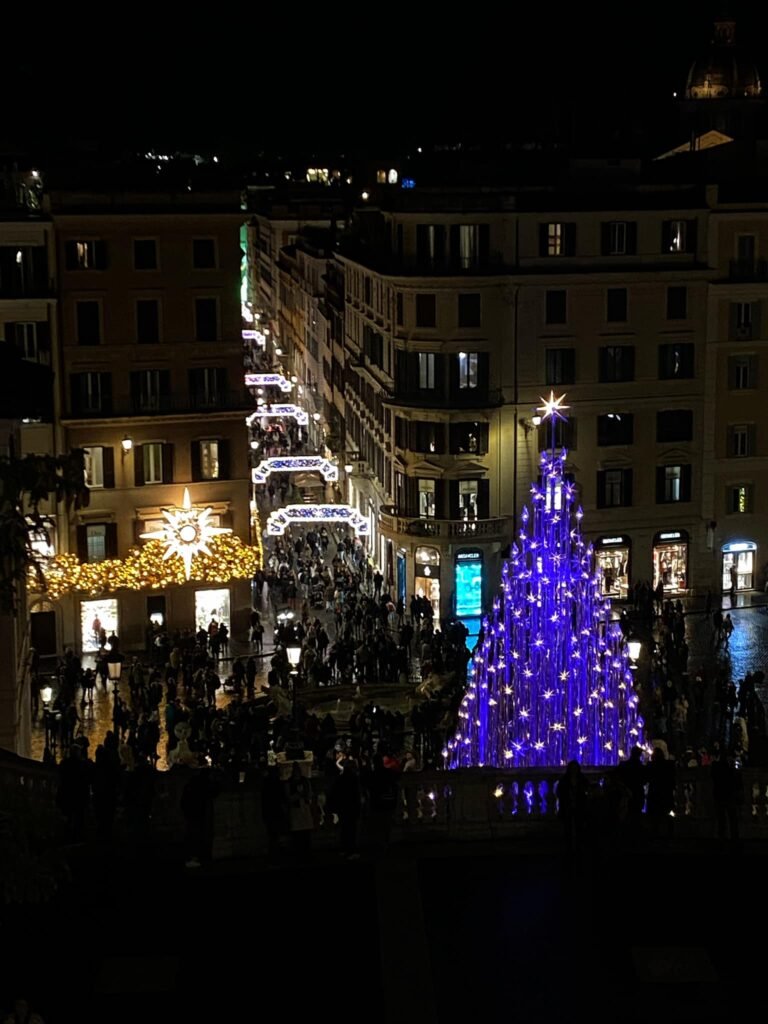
(670, 560)
(738, 566)
(427, 581)
(612, 558)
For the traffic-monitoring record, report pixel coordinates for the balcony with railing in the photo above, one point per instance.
(162, 405)
(499, 528)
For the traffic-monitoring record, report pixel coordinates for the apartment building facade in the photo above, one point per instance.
(28, 409)
(151, 384)
(735, 435)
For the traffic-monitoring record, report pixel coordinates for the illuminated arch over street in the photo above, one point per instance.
(294, 464)
(298, 515)
(274, 411)
(267, 380)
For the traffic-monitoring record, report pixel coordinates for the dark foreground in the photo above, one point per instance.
(443, 933)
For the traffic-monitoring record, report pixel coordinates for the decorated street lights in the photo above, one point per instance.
(294, 657)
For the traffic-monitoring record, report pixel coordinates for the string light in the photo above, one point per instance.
(147, 568)
(295, 515)
(561, 686)
(294, 464)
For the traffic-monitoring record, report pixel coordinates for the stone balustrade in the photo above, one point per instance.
(466, 805)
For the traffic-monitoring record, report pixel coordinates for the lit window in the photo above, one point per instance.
(86, 256)
(555, 239)
(467, 499)
(467, 370)
(426, 371)
(209, 460)
(96, 540)
(392, 176)
(153, 463)
(427, 499)
(672, 483)
(617, 238)
(469, 252)
(94, 467)
(677, 232)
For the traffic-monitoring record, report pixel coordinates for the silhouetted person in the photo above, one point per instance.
(728, 795)
(571, 791)
(660, 774)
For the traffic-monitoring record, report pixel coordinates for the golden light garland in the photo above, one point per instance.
(147, 568)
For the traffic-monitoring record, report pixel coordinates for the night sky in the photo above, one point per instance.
(381, 77)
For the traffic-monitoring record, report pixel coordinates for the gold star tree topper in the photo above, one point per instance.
(186, 532)
(553, 407)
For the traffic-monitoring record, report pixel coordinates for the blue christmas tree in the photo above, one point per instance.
(551, 680)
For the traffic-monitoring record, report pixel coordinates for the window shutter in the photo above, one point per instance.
(453, 371)
(70, 255)
(165, 389)
(135, 389)
(757, 308)
(10, 333)
(194, 457)
(484, 245)
(167, 463)
(105, 381)
(631, 238)
(543, 235)
(138, 465)
(730, 442)
(75, 392)
(82, 543)
(483, 499)
(453, 241)
(422, 244)
(685, 484)
(600, 488)
(751, 439)
(691, 235)
(108, 466)
(441, 500)
(666, 235)
(732, 364)
(411, 496)
(224, 467)
(483, 370)
(100, 255)
(605, 238)
(602, 365)
(660, 478)
(627, 496)
(732, 320)
(110, 540)
(44, 338)
(629, 362)
(453, 499)
(570, 239)
(753, 378)
(439, 245)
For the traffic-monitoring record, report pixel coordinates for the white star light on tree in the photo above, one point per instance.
(187, 532)
(552, 407)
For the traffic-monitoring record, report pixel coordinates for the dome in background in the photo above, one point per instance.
(724, 72)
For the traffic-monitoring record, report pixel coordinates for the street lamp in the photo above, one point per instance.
(114, 668)
(294, 657)
(633, 648)
(46, 692)
(127, 445)
(348, 468)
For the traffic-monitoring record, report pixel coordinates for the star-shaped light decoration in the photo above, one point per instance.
(186, 532)
(552, 407)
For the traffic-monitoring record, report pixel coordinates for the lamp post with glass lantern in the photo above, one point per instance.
(114, 668)
(294, 657)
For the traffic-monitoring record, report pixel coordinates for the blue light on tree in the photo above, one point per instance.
(551, 681)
